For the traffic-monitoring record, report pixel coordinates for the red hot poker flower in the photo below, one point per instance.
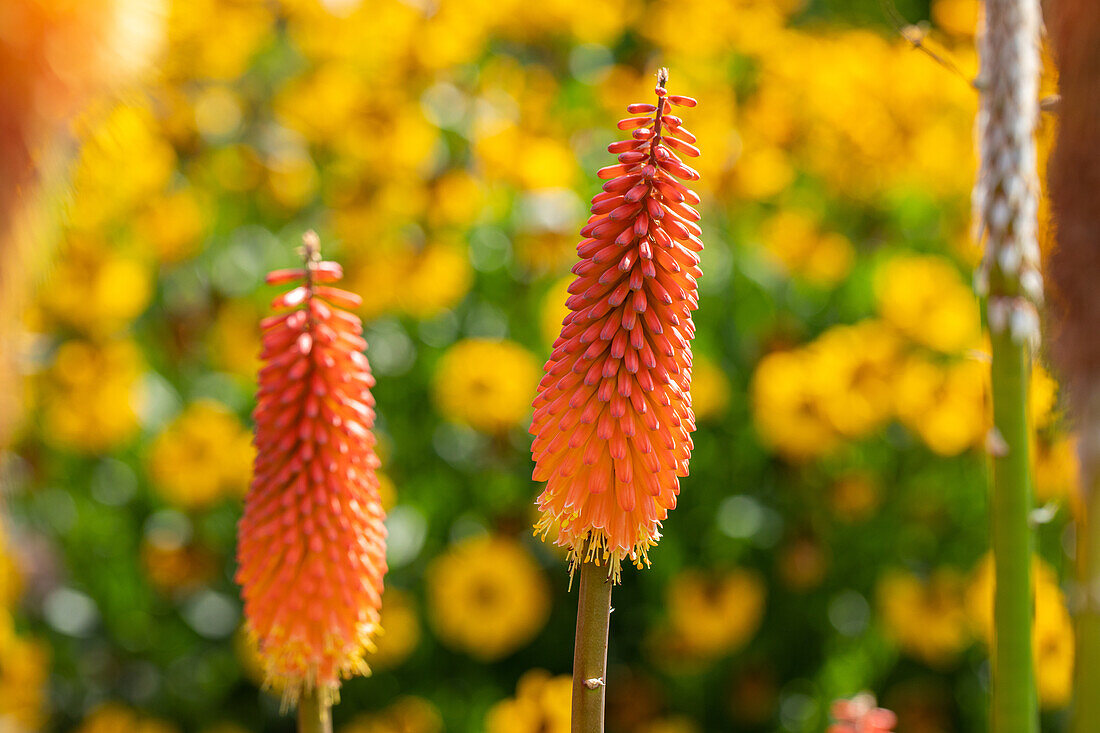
(860, 715)
(311, 547)
(613, 416)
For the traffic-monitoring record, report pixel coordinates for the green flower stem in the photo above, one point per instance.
(314, 715)
(1086, 705)
(1015, 708)
(590, 652)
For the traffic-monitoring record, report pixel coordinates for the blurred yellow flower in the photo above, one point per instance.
(436, 278)
(292, 178)
(401, 630)
(24, 676)
(716, 26)
(197, 53)
(1054, 467)
(218, 111)
(763, 172)
(173, 225)
(792, 238)
(853, 368)
(89, 395)
(526, 160)
(715, 615)
(456, 198)
(1042, 398)
(946, 405)
(542, 705)
(1053, 647)
(957, 17)
(421, 282)
(839, 385)
(785, 408)
(1052, 627)
(236, 168)
(710, 389)
(486, 384)
(487, 597)
(926, 616)
(924, 297)
(321, 103)
(408, 714)
(117, 718)
(203, 456)
(95, 289)
(126, 139)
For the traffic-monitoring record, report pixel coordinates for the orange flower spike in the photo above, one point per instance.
(613, 418)
(312, 544)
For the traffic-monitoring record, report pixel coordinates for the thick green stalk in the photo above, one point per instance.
(1006, 204)
(1086, 705)
(590, 652)
(314, 715)
(1015, 709)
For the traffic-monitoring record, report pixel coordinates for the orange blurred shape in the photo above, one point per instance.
(55, 57)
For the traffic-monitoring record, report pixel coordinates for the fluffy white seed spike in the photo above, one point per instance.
(1006, 194)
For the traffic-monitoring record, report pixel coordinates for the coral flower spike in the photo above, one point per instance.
(311, 547)
(613, 416)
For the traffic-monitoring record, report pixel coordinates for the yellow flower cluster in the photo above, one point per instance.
(927, 617)
(832, 107)
(486, 384)
(925, 299)
(936, 618)
(94, 289)
(487, 596)
(806, 400)
(421, 282)
(794, 240)
(90, 395)
(203, 456)
(542, 705)
(711, 616)
(852, 380)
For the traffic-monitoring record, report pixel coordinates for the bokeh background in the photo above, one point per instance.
(832, 534)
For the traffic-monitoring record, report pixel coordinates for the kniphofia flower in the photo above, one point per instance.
(861, 715)
(311, 546)
(613, 416)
